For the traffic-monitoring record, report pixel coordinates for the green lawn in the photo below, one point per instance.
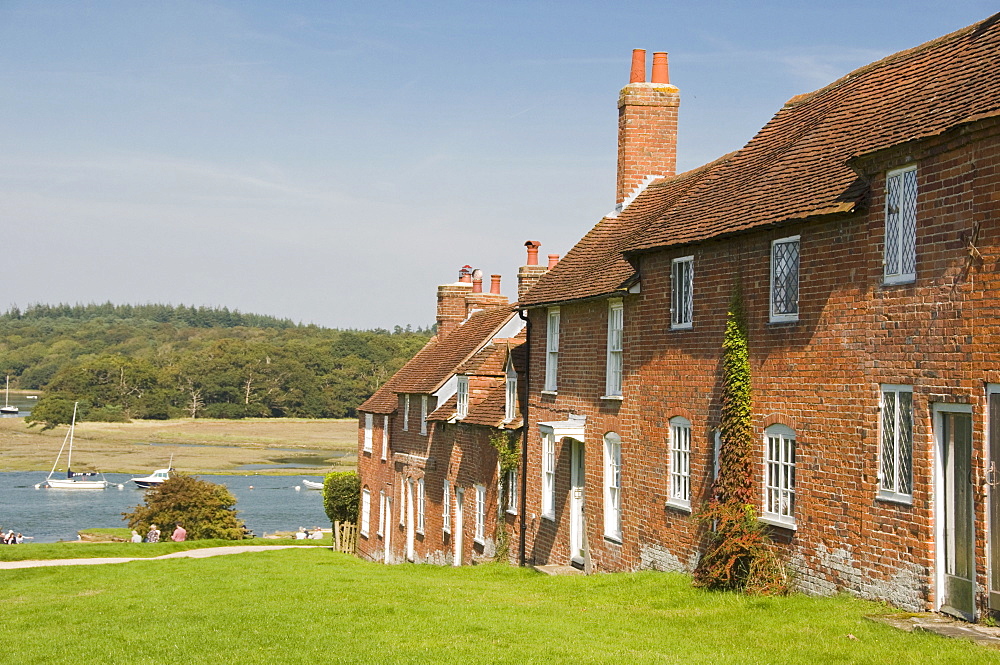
(312, 605)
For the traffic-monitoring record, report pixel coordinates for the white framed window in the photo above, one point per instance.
(548, 476)
(446, 507)
(552, 350)
(480, 535)
(406, 413)
(680, 463)
(900, 260)
(682, 292)
(716, 453)
(462, 397)
(510, 404)
(368, 432)
(779, 476)
(366, 511)
(402, 500)
(381, 514)
(420, 505)
(613, 486)
(385, 438)
(896, 449)
(423, 415)
(613, 373)
(511, 491)
(785, 279)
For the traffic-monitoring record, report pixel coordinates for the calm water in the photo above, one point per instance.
(52, 515)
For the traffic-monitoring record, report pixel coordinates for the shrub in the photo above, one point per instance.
(341, 496)
(205, 509)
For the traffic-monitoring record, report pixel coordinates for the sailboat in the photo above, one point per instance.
(74, 480)
(7, 408)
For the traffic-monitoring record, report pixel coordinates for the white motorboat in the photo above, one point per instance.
(74, 480)
(7, 408)
(312, 485)
(154, 479)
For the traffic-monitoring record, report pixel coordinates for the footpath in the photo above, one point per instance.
(190, 554)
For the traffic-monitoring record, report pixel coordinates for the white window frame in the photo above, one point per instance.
(616, 330)
(420, 505)
(402, 500)
(682, 293)
(781, 288)
(548, 476)
(406, 412)
(899, 257)
(512, 488)
(895, 480)
(779, 476)
(679, 495)
(366, 511)
(613, 486)
(423, 415)
(462, 397)
(552, 350)
(385, 438)
(480, 532)
(369, 424)
(510, 404)
(381, 514)
(446, 507)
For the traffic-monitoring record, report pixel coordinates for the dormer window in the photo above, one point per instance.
(510, 412)
(462, 397)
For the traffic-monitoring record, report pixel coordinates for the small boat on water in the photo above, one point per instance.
(312, 485)
(154, 479)
(7, 408)
(79, 480)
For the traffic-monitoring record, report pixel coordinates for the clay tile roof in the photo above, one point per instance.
(798, 165)
(595, 266)
(490, 410)
(439, 359)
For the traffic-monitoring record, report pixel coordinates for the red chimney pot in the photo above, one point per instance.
(532, 246)
(477, 284)
(661, 70)
(638, 73)
(553, 260)
(495, 284)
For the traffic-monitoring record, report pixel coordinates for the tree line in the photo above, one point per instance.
(161, 361)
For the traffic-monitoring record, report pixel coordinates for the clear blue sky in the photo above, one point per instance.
(332, 162)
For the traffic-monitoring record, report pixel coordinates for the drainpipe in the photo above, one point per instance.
(523, 476)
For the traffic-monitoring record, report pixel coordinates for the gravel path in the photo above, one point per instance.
(190, 554)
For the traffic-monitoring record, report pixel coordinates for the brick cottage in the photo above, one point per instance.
(861, 229)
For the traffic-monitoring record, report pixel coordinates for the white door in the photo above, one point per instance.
(387, 534)
(409, 520)
(459, 530)
(957, 534)
(576, 523)
(993, 480)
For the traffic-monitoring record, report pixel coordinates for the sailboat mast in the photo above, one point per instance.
(72, 428)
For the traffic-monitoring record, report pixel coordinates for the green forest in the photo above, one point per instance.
(162, 361)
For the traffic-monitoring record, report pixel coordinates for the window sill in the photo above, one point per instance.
(682, 326)
(479, 541)
(897, 280)
(549, 392)
(778, 320)
(364, 535)
(617, 540)
(549, 516)
(778, 521)
(367, 451)
(613, 398)
(511, 512)
(894, 497)
(678, 504)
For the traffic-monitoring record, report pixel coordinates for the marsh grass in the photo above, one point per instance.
(313, 605)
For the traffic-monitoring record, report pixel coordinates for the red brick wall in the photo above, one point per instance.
(647, 134)
(821, 376)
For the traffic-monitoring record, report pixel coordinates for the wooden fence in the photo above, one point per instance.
(345, 536)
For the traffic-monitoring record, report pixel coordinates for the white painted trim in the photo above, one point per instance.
(937, 408)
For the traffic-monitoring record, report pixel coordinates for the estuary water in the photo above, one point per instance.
(265, 503)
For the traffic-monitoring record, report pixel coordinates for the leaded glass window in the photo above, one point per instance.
(682, 293)
(901, 225)
(785, 279)
(896, 470)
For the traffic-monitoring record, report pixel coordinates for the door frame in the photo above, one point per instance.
(577, 505)
(410, 531)
(937, 411)
(992, 505)
(458, 528)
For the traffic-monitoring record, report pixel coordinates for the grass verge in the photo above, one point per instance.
(100, 550)
(313, 605)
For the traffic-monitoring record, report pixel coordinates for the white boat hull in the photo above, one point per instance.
(73, 484)
(312, 485)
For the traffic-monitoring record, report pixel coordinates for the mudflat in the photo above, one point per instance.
(197, 445)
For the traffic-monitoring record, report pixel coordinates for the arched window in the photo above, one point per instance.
(779, 475)
(612, 485)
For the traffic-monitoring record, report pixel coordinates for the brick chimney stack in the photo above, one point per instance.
(529, 273)
(647, 126)
(451, 306)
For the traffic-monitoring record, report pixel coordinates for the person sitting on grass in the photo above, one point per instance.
(179, 535)
(153, 535)
(317, 534)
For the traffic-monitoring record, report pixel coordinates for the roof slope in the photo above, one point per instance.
(797, 165)
(595, 266)
(439, 359)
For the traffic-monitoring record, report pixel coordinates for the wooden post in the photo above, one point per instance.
(336, 531)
